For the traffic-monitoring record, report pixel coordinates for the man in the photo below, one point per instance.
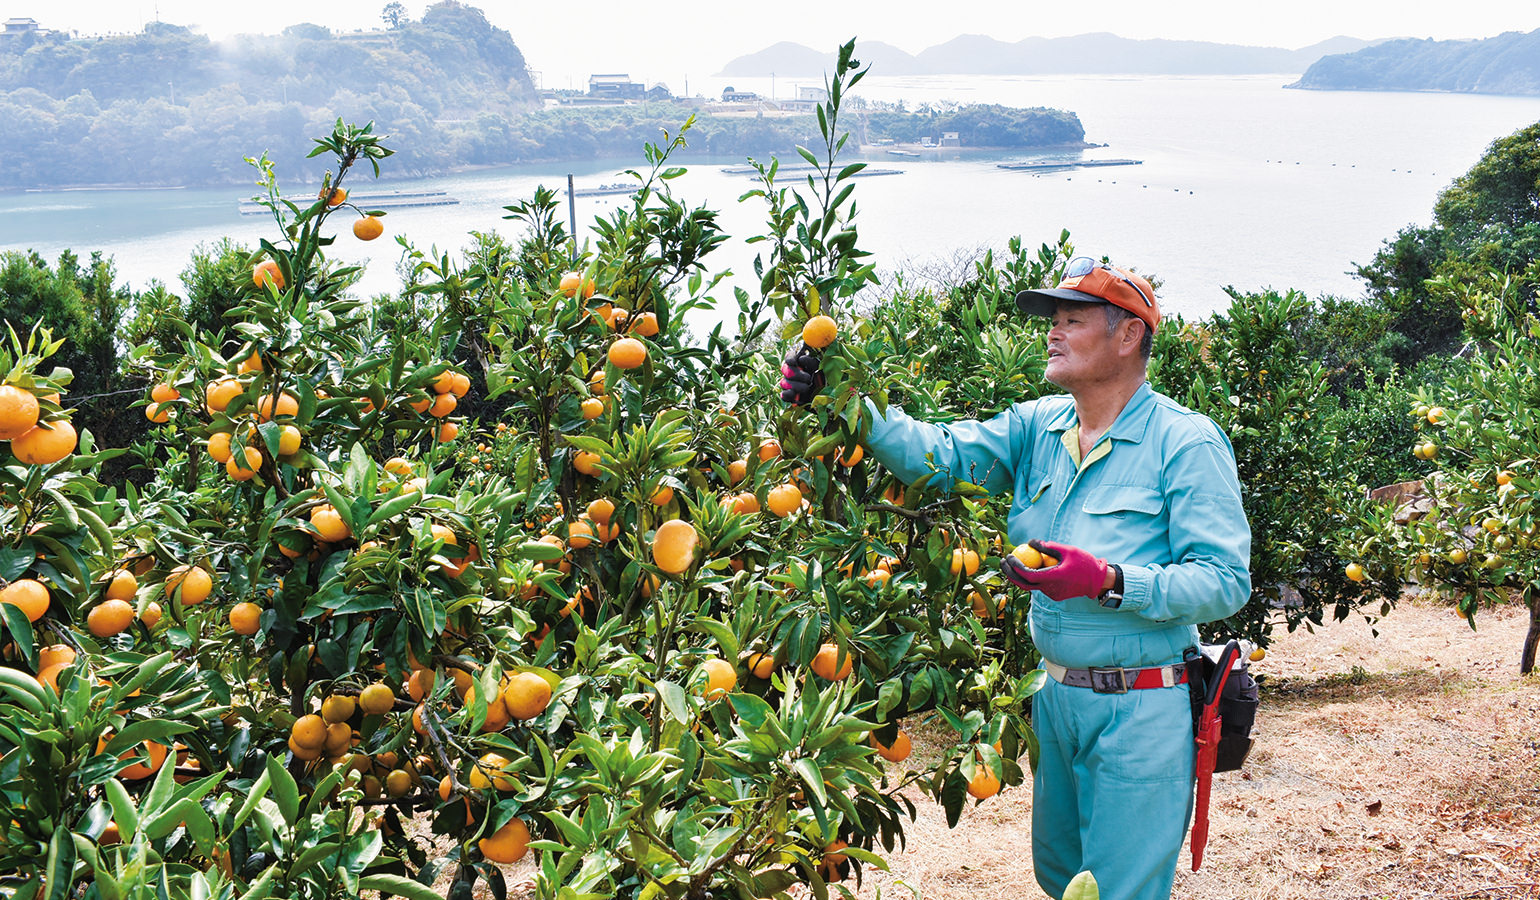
(1112, 471)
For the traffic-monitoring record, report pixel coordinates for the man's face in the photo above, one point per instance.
(1080, 351)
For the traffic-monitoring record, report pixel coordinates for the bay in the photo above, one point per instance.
(1243, 183)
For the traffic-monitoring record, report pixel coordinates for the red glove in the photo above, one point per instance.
(1078, 574)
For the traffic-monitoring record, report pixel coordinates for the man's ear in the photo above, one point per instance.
(1130, 335)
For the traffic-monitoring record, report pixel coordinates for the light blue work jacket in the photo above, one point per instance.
(1158, 495)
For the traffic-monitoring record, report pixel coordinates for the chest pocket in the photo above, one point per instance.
(1125, 501)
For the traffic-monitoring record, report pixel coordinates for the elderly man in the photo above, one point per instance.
(1137, 498)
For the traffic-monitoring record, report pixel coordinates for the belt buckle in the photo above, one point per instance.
(1109, 681)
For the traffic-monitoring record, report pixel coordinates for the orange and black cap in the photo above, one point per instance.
(1087, 281)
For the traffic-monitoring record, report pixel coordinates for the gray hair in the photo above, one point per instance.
(1116, 315)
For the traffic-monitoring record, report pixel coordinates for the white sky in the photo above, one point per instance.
(668, 40)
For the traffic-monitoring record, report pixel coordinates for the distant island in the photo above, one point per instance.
(170, 108)
(1506, 64)
(1085, 54)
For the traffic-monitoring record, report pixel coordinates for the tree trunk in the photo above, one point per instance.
(1527, 658)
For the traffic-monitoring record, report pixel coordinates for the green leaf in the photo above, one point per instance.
(674, 701)
(396, 884)
(1083, 887)
(285, 791)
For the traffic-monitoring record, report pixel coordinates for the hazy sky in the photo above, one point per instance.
(668, 40)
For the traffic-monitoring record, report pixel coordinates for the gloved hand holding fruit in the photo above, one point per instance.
(1057, 570)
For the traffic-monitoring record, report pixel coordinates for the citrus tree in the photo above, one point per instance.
(639, 618)
(1478, 541)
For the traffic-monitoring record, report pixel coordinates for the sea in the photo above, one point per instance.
(1241, 183)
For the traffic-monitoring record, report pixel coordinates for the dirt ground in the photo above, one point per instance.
(1400, 766)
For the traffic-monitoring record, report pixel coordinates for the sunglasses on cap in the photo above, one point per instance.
(1082, 266)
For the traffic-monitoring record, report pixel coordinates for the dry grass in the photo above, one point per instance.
(1399, 767)
(1402, 767)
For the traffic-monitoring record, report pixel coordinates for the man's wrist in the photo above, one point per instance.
(1112, 594)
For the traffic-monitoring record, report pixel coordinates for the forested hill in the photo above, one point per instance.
(1506, 64)
(173, 107)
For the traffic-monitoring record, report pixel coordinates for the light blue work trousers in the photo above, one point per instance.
(1121, 767)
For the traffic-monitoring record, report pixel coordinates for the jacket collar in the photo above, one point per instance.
(1130, 425)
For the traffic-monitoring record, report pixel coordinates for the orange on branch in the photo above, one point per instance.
(267, 273)
(526, 695)
(245, 618)
(28, 595)
(368, 228)
(627, 353)
(45, 444)
(674, 545)
(18, 412)
(833, 663)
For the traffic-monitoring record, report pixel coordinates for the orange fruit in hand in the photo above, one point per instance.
(784, 499)
(368, 228)
(819, 332)
(18, 412)
(832, 664)
(721, 678)
(45, 444)
(1028, 556)
(526, 695)
(267, 272)
(28, 595)
(627, 353)
(673, 546)
(508, 844)
(245, 618)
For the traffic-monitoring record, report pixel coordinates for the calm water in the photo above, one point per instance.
(1243, 184)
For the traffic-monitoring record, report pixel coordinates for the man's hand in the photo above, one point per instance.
(1078, 574)
(801, 379)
